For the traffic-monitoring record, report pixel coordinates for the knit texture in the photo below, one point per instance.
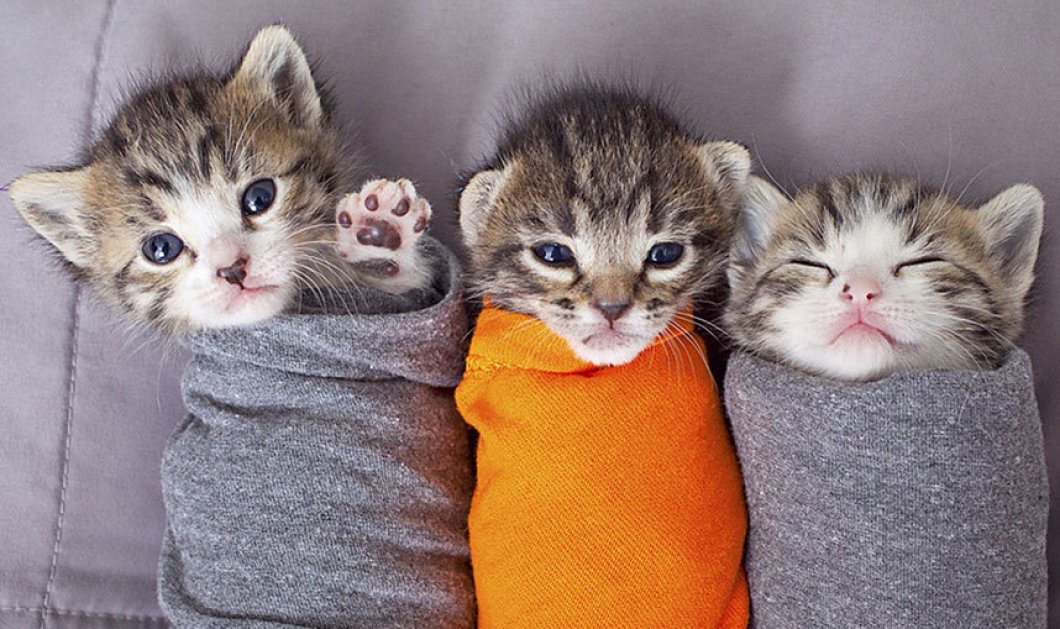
(606, 497)
(322, 476)
(917, 501)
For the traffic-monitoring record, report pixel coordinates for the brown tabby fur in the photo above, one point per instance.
(172, 141)
(962, 311)
(614, 172)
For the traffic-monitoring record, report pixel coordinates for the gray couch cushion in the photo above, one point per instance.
(815, 87)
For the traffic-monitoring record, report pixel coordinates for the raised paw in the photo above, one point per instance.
(379, 226)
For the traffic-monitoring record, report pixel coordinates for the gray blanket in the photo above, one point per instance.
(917, 501)
(322, 475)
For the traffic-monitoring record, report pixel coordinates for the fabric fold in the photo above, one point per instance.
(917, 501)
(607, 496)
(322, 476)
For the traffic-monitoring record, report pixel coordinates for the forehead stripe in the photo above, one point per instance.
(204, 156)
(829, 209)
(155, 180)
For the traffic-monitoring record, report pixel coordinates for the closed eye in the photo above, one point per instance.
(813, 264)
(917, 262)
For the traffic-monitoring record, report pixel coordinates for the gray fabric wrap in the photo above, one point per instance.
(322, 476)
(916, 501)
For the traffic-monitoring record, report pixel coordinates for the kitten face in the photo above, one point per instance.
(206, 198)
(600, 217)
(863, 276)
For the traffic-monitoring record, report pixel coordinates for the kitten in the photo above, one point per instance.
(865, 275)
(211, 201)
(601, 216)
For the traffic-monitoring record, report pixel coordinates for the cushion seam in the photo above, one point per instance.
(18, 609)
(45, 608)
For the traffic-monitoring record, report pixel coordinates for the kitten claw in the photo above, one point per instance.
(378, 228)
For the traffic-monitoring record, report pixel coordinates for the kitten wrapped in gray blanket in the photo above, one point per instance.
(322, 477)
(886, 423)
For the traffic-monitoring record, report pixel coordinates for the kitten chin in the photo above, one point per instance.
(210, 201)
(866, 275)
(601, 216)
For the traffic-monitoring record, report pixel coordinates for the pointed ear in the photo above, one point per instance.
(1012, 226)
(276, 65)
(477, 199)
(53, 203)
(728, 164)
(756, 220)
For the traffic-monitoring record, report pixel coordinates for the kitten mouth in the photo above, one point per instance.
(859, 330)
(607, 337)
(248, 294)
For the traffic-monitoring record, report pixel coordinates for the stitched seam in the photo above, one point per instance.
(75, 337)
(82, 613)
(60, 520)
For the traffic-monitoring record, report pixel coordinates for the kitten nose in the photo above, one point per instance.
(235, 273)
(861, 289)
(612, 310)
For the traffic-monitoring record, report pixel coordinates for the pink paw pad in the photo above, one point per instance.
(378, 226)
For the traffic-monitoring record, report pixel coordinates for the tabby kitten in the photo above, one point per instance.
(865, 275)
(601, 216)
(210, 201)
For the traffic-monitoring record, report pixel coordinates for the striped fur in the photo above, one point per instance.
(608, 174)
(177, 158)
(951, 280)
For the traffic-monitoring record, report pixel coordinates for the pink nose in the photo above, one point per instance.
(861, 289)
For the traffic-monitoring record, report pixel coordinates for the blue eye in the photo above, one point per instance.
(665, 253)
(554, 253)
(258, 197)
(162, 248)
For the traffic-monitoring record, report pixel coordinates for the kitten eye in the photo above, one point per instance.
(554, 253)
(917, 261)
(162, 248)
(258, 197)
(665, 254)
(815, 265)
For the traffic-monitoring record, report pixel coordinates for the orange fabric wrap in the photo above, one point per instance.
(606, 497)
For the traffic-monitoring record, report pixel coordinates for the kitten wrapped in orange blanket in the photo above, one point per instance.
(608, 489)
(607, 496)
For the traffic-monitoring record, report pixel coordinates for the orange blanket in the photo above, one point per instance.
(606, 497)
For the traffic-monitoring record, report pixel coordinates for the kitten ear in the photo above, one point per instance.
(1012, 226)
(728, 164)
(53, 203)
(756, 220)
(477, 200)
(274, 63)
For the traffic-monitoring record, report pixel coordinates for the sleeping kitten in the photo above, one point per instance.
(865, 275)
(211, 201)
(602, 217)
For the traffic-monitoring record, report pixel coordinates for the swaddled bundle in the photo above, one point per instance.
(916, 501)
(608, 491)
(322, 475)
(887, 428)
(607, 496)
